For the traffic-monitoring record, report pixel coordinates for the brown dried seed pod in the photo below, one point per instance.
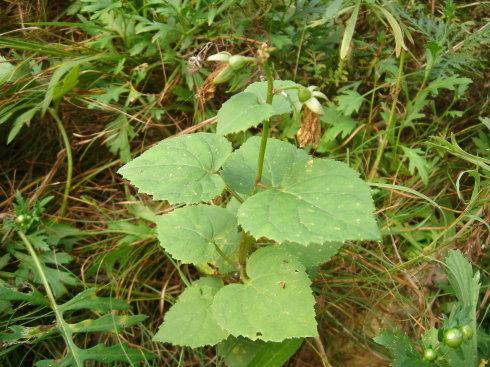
(207, 90)
(310, 131)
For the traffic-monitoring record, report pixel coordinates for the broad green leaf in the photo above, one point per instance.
(240, 169)
(106, 323)
(182, 169)
(198, 234)
(275, 304)
(242, 352)
(314, 254)
(349, 31)
(190, 321)
(306, 200)
(241, 112)
(285, 95)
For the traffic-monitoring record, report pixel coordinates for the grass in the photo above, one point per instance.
(134, 90)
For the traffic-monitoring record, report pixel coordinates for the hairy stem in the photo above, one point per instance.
(389, 125)
(69, 159)
(266, 123)
(61, 324)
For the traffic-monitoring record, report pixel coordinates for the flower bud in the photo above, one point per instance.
(224, 75)
(304, 94)
(223, 56)
(237, 61)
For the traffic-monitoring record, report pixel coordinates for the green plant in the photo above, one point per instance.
(254, 220)
(456, 343)
(43, 266)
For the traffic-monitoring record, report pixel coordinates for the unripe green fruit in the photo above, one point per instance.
(453, 337)
(224, 75)
(304, 94)
(467, 331)
(237, 61)
(430, 354)
(21, 219)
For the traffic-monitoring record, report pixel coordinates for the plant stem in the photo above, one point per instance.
(62, 326)
(235, 195)
(69, 158)
(266, 123)
(243, 254)
(245, 241)
(232, 263)
(389, 126)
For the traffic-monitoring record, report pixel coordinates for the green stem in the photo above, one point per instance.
(266, 123)
(235, 195)
(232, 263)
(389, 126)
(69, 158)
(245, 242)
(62, 325)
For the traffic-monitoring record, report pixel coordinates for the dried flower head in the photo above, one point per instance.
(207, 90)
(310, 131)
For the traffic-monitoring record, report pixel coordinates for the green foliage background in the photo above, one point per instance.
(123, 75)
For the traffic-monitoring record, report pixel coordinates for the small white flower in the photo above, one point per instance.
(309, 96)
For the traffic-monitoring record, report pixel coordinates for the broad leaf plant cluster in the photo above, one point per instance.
(255, 221)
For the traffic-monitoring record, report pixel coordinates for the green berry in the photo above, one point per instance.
(430, 354)
(453, 337)
(467, 331)
(21, 219)
(304, 94)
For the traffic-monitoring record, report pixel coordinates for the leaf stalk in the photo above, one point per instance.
(61, 324)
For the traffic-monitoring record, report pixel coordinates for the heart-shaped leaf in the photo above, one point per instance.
(314, 254)
(285, 95)
(275, 304)
(240, 168)
(190, 321)
(182, 169)
(306, 200)
(241, 112)
(197, 234)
